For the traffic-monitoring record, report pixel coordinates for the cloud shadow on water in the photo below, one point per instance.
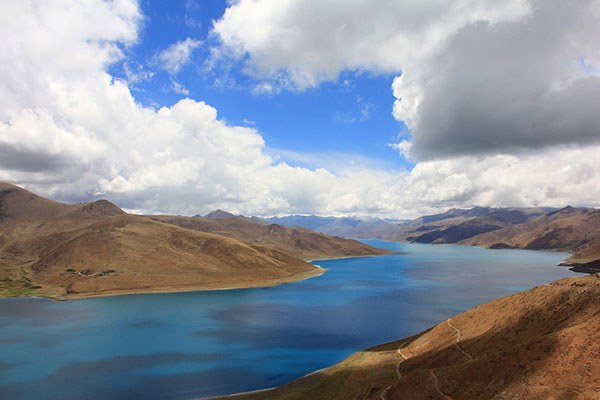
(123, 377)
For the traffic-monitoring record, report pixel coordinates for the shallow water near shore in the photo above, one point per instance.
(197, 344)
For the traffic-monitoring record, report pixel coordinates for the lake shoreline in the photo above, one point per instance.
(269, 283)
(189, 289)
(213, 343)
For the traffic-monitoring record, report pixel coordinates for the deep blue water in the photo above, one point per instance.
(187, 345)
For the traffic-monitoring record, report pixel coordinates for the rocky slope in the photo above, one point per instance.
(540, 344)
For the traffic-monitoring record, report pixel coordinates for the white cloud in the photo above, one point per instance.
(136, 73)
(311, 41)
(554, 177)
(69, 130)
(78, 134)
(403, 147)
(174, 57)
(485, 87)
(178, 88)
(477, 76)
(264, 88)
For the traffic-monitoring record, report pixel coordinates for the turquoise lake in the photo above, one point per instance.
(197, 344)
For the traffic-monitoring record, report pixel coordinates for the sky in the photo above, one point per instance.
(332, 107)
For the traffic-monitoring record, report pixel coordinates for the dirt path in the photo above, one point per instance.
(384, 393)
(436, 385)
(469, 356)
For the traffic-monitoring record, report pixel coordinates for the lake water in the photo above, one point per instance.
(187, 345)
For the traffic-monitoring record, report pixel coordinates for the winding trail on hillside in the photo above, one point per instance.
(384, 394)
(436, 385)
(469, 356)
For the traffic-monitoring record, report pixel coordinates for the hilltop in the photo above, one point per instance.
(543, 343)
(96, 249)
(298, 242)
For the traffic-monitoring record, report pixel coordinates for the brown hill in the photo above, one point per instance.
(540, 344)
(24, 214)
(129, 254)
(456, 225)
(569, 229)
(298, 242)
(95, 249)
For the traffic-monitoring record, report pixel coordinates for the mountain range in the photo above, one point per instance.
(96, 249)
(539, 344)
(569, 229)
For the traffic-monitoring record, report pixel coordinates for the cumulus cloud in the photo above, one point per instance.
(311, 41)
(174, 57)
(69, 130)
(77, 133)
(500, 97)
(507, 87)
(553, 177)
(476, 76)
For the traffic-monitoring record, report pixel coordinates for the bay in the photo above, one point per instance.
(197, 344)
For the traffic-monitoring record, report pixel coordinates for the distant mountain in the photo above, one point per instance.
(349, 227)
(448, 227)
(304, 221)
(298, 242)
(568, 229)
(539, 344)
(456, 225)
(221, 214)
(216, 214)
(456, 212)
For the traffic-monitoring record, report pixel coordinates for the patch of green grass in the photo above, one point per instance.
(21, 286)
(19, 292)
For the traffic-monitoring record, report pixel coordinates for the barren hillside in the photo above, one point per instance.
(96, 249)
(298, 242)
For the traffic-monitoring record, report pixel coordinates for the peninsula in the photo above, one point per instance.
(68, 251)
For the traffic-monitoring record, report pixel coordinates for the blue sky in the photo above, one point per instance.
(393, 108)
(353, 120)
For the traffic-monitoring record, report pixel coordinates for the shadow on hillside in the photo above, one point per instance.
(504, 357)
